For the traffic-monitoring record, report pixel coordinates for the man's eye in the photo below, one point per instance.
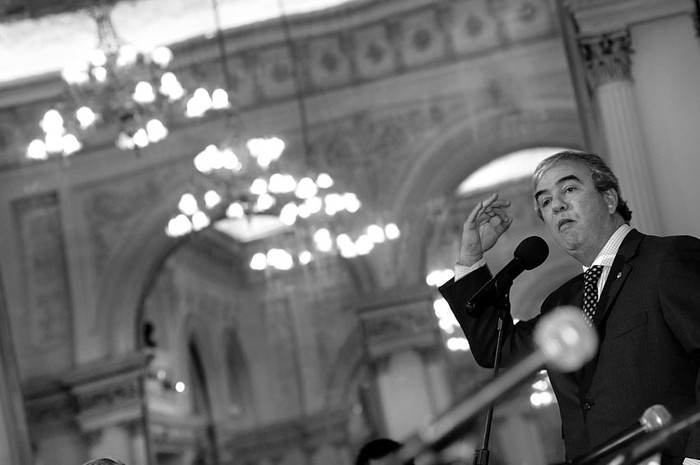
(569, 189)
(546, 202)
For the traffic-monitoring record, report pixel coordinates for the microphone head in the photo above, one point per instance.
(532, 252)
(655, 417)
(564, 338)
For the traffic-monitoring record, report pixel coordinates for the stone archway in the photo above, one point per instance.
(446, 162)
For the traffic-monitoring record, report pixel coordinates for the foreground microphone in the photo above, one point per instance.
(529, 254)
(564, 343)
(651, 420)
(656, 441)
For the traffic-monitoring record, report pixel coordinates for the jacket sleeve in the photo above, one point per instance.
(481, 326)
(679, 297)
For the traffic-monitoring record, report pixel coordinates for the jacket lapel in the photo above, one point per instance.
(618, 274)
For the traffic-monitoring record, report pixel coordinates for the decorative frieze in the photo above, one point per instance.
(398, 322)
(375, 43)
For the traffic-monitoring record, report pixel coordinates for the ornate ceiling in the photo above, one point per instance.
(42, 36)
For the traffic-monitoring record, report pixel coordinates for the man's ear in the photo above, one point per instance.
(611, 200)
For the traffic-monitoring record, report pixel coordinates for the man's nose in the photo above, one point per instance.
(558, 204)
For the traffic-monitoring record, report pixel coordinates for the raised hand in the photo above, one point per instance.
(484, 225)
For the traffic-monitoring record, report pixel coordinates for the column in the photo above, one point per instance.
(14, 435)
(403, 347)
(608, 70)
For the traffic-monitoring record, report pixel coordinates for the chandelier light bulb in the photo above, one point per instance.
(161, 56)
(204, 160)
(376, 233)
(98, 58)
(99, 73)
(322, 239)
(219, 99)
(305, 257)
(264, 203)
(199, 103)
(188, 204)
(127, 55)
(200, 220)
(124, 141)
(288, 214)
(85, 116)
(141, 138)
(71, 144)
(364, 244)
(75, 74)
(258, 186)
(52, 123)
(334, 203)
(280, 259)
(315, 204)
(54, 142)
(37, 150)
(235, 210)
(265, 149)
(178, 226)
(324, 181)
(349, 251)
(306, 188)
(230, 160)
(282, 183)
(351, 202)
(258, 262)
(304, 211)
(211, 198)
(343, 240)
(392, 231)
(171, 87)
(144, 93)
(156, 130)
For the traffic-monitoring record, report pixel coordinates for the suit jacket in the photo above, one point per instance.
(648, 321)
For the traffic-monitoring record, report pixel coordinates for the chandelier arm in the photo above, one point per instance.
(221, 42)
(297, 81)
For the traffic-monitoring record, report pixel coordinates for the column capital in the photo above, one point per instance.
(607, 57)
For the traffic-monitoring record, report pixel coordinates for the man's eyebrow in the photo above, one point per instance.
(569, 177)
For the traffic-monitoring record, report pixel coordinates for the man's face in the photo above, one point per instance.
(579, 218)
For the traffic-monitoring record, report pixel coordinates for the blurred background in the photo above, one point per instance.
(223, 222)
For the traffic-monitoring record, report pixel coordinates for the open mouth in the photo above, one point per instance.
(564, 222)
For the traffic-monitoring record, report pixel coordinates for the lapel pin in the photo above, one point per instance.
(619, 275)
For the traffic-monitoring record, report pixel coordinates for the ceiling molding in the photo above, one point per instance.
(600, 16)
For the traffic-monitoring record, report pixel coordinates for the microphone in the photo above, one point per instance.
(564, 343)
(529, 254)
(653, 443)
(653, 418)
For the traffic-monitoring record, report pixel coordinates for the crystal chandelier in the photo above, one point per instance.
(243, 181)
(240, 185)
(118, 86)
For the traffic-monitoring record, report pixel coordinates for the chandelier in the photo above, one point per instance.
(251, 182)
(118, 86)
(244, 181)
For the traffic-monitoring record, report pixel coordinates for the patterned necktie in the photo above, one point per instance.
(590, 292)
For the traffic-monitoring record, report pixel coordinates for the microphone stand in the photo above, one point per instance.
(481, 456)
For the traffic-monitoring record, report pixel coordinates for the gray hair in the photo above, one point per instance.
(603, 177)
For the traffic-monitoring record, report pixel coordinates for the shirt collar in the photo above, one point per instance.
(607, 254)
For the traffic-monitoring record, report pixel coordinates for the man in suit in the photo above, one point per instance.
(646, 306)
